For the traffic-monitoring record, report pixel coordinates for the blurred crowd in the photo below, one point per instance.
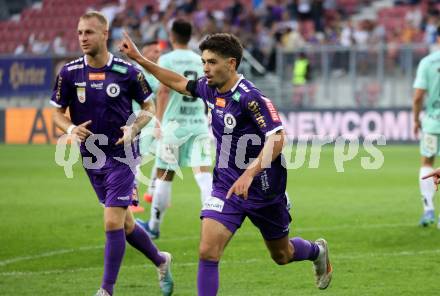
(264, 25)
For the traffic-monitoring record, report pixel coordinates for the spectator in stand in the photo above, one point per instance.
(22, 48)
(110, 8)
(38, 44)
(58, 45)
(301, 78)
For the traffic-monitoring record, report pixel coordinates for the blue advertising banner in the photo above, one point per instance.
(25, 76)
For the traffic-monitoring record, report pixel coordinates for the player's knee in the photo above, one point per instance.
(112, 225)
(129, 226)
(281, 258)
(209, 253)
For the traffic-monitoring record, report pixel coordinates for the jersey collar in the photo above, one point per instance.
(240, 78)
(109, 62)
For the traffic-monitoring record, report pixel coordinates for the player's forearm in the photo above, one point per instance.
(417, 108)
(144, 116)
(169, 78)
(61, 120)
(417, 103)
(271, 150)
(162, 101)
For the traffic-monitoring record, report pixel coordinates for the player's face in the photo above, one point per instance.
(92, 36)
(218, 70)
(151, 52)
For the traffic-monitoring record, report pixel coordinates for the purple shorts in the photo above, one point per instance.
(272, 217)
(114, 186)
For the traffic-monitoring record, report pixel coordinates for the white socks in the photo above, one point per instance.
(427, 188)
(152, 183)
(204, 180)
(162, 197)
(161, 200)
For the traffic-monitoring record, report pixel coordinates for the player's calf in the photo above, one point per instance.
(281, 257)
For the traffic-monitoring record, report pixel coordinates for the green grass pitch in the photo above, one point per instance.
(51, 232)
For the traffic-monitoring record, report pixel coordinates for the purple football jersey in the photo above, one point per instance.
(241, 120)
(103, 96)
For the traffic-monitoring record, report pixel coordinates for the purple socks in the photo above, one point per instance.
(304, 249)
(139, 240)
(207, 278)
(114, 252)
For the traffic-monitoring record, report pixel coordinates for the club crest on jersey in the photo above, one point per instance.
(113, 90)
(81, 94)
(230, 121)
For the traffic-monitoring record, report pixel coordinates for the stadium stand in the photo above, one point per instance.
(340, 37)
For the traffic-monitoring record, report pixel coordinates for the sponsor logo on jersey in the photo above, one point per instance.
(144, 85)
(60, 81)
(97, 85)
(189, 110)
(120, 69)
(254, 107)
(273, 112)
(123, 197)
(81, 94)
(220, 102)
(113, 90)
(264, 181)
(80, 84)
(75, 67)
(236, 96)
(230, 121)
(97, 76)
(213, 204)
(219, 112)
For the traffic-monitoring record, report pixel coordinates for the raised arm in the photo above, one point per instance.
(161, 102)
(169, 78)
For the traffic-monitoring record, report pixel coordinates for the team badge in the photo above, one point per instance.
(81, 94)
(113, 90)
(230, 121)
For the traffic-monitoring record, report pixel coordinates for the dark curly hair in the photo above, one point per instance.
(224, 44)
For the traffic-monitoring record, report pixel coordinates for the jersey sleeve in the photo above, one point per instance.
(263, 113)
(199, 89)
(62, 91)
(140, 90)
(421, 80)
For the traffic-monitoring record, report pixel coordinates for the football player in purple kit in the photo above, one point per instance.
(249, 179)
(98, 89)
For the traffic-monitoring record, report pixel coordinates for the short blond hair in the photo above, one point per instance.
(96, 14)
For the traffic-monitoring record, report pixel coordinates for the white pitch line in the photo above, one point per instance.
(336, 257)
(46, 254)
(180, 238)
